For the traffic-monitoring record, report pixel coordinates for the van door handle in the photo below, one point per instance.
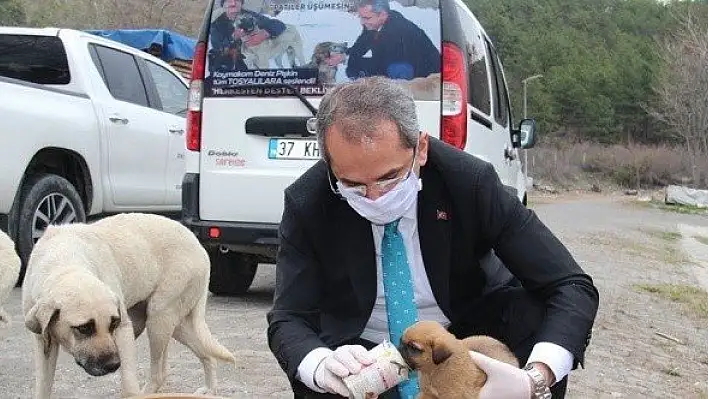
(176, 131)
(278, 126)
(509, 154)
(118, 120)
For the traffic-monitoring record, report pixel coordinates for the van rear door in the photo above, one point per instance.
(261, 56)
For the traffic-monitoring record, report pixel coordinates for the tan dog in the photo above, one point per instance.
(445, 367)
(93, 288)
(9, 272)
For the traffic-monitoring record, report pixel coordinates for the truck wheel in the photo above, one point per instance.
(46, 199)
(231, 273)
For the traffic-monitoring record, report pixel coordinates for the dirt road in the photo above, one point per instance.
(643, 345)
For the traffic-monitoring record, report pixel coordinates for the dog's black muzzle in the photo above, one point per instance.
(100, 366)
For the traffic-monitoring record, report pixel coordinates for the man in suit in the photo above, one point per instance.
(382, 178)
(389, 45)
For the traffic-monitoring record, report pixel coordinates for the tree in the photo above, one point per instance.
(184, 16)
(11, 13)
(598, 59)
(682, 88)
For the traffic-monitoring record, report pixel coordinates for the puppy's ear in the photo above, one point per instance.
(440, 353)
(39, 320)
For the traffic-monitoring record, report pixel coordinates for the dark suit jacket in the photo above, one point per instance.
(326, 267)
(401, 50)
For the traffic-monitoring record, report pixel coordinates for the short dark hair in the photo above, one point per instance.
(221, 3)
(377, 6)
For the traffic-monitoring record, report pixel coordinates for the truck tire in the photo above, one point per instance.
(45, 199)
(231, 272)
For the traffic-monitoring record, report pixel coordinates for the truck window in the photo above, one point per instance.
(171, 91)
(478, 95)
(121, 75)
(36, 59)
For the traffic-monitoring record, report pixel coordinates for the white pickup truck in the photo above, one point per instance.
(90, 127)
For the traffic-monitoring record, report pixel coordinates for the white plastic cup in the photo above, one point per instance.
(388, 370)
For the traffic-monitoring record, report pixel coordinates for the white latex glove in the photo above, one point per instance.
(344, 361)
(504, 381)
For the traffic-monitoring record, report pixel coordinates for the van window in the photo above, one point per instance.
(121, 75)
(478, 95)
(314, 45)
(501, 98)
(36, 59)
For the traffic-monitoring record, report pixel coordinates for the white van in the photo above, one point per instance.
(259, 72)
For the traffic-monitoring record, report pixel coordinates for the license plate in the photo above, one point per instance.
(293, 149)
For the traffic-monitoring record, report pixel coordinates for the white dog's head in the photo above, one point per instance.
(82, 315)
(9, 272)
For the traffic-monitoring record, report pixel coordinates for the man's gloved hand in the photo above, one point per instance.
(504, 381)
(344, 361)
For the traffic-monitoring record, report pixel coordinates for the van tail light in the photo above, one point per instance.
(196, 94)
(454, 96)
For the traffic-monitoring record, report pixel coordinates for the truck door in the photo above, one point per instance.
(136, 141)
(171, 93)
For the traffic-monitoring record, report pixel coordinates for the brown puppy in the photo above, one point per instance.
(445, 367)
(327, 74)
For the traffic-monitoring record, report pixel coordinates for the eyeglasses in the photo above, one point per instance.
(382, 186)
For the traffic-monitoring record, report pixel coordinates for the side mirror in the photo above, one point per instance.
(526, 135)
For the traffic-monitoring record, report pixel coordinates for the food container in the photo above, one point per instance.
(388, 370)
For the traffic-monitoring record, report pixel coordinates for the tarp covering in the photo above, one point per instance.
(686, 196)
(172, 45)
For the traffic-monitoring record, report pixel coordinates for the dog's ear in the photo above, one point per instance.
(39, 320)
(440, 353)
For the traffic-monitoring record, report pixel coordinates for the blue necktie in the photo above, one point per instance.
(399, 294)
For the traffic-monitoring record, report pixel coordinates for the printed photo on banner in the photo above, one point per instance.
(267, 47)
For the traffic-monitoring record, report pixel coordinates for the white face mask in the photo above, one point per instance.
(390, 206)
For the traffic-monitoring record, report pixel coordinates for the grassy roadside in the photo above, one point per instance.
(694, 299)
(682, 209)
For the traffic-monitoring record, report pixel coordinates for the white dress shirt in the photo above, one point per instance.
(557, 358)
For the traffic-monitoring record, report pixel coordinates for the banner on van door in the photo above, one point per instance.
(270, 47)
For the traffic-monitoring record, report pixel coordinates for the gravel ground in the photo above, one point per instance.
(643, 345)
